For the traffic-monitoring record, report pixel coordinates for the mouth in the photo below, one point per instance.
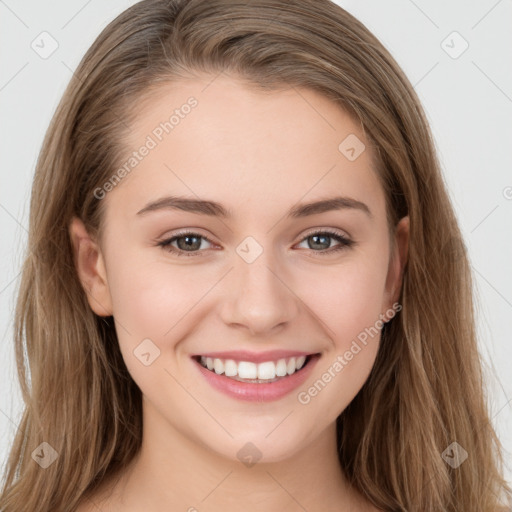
(265, 372)
(256, 377)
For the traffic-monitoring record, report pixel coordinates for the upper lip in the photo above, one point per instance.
(255, 357)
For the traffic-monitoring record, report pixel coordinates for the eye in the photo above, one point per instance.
(191, 243)
(322, 240)
(187, 242)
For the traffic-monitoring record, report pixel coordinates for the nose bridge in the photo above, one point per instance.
(258, 296)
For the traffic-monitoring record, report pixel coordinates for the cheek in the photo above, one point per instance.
(350, 308)
(152, 308)
(149, 298)
(347, 300)
(348, 303)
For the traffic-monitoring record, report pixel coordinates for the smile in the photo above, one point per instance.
(248, 371)
(257, 377)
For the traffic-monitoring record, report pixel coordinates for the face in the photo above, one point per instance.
(211, 257)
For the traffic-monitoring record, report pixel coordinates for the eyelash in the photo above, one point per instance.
(345, 243)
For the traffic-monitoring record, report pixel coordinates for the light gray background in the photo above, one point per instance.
(468, 101)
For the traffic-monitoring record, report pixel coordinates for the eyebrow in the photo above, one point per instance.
(214, 209)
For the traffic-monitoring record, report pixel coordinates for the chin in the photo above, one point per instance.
(258, 444)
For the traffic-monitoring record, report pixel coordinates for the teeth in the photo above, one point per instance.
(247, 370)
(281, 368)
(218, 366)
(230, 368)
(267, 370)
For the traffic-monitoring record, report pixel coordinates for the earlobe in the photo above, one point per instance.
(90, 267)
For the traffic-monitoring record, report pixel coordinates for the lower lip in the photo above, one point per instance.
(251, 392)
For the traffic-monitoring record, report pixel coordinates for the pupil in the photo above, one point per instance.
(187, 244)
(321, 244)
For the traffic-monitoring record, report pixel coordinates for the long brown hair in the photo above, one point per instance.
(426, 389)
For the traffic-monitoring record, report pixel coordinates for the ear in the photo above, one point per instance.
(397, 262)
(90, 266)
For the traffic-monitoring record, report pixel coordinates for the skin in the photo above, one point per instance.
(259, 154)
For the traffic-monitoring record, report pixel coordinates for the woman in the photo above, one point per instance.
(245, 282)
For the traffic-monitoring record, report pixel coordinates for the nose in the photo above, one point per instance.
(258, 297)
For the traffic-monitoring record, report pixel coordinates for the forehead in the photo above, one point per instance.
(216, 137)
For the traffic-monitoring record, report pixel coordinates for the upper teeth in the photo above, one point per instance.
(248, 370)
